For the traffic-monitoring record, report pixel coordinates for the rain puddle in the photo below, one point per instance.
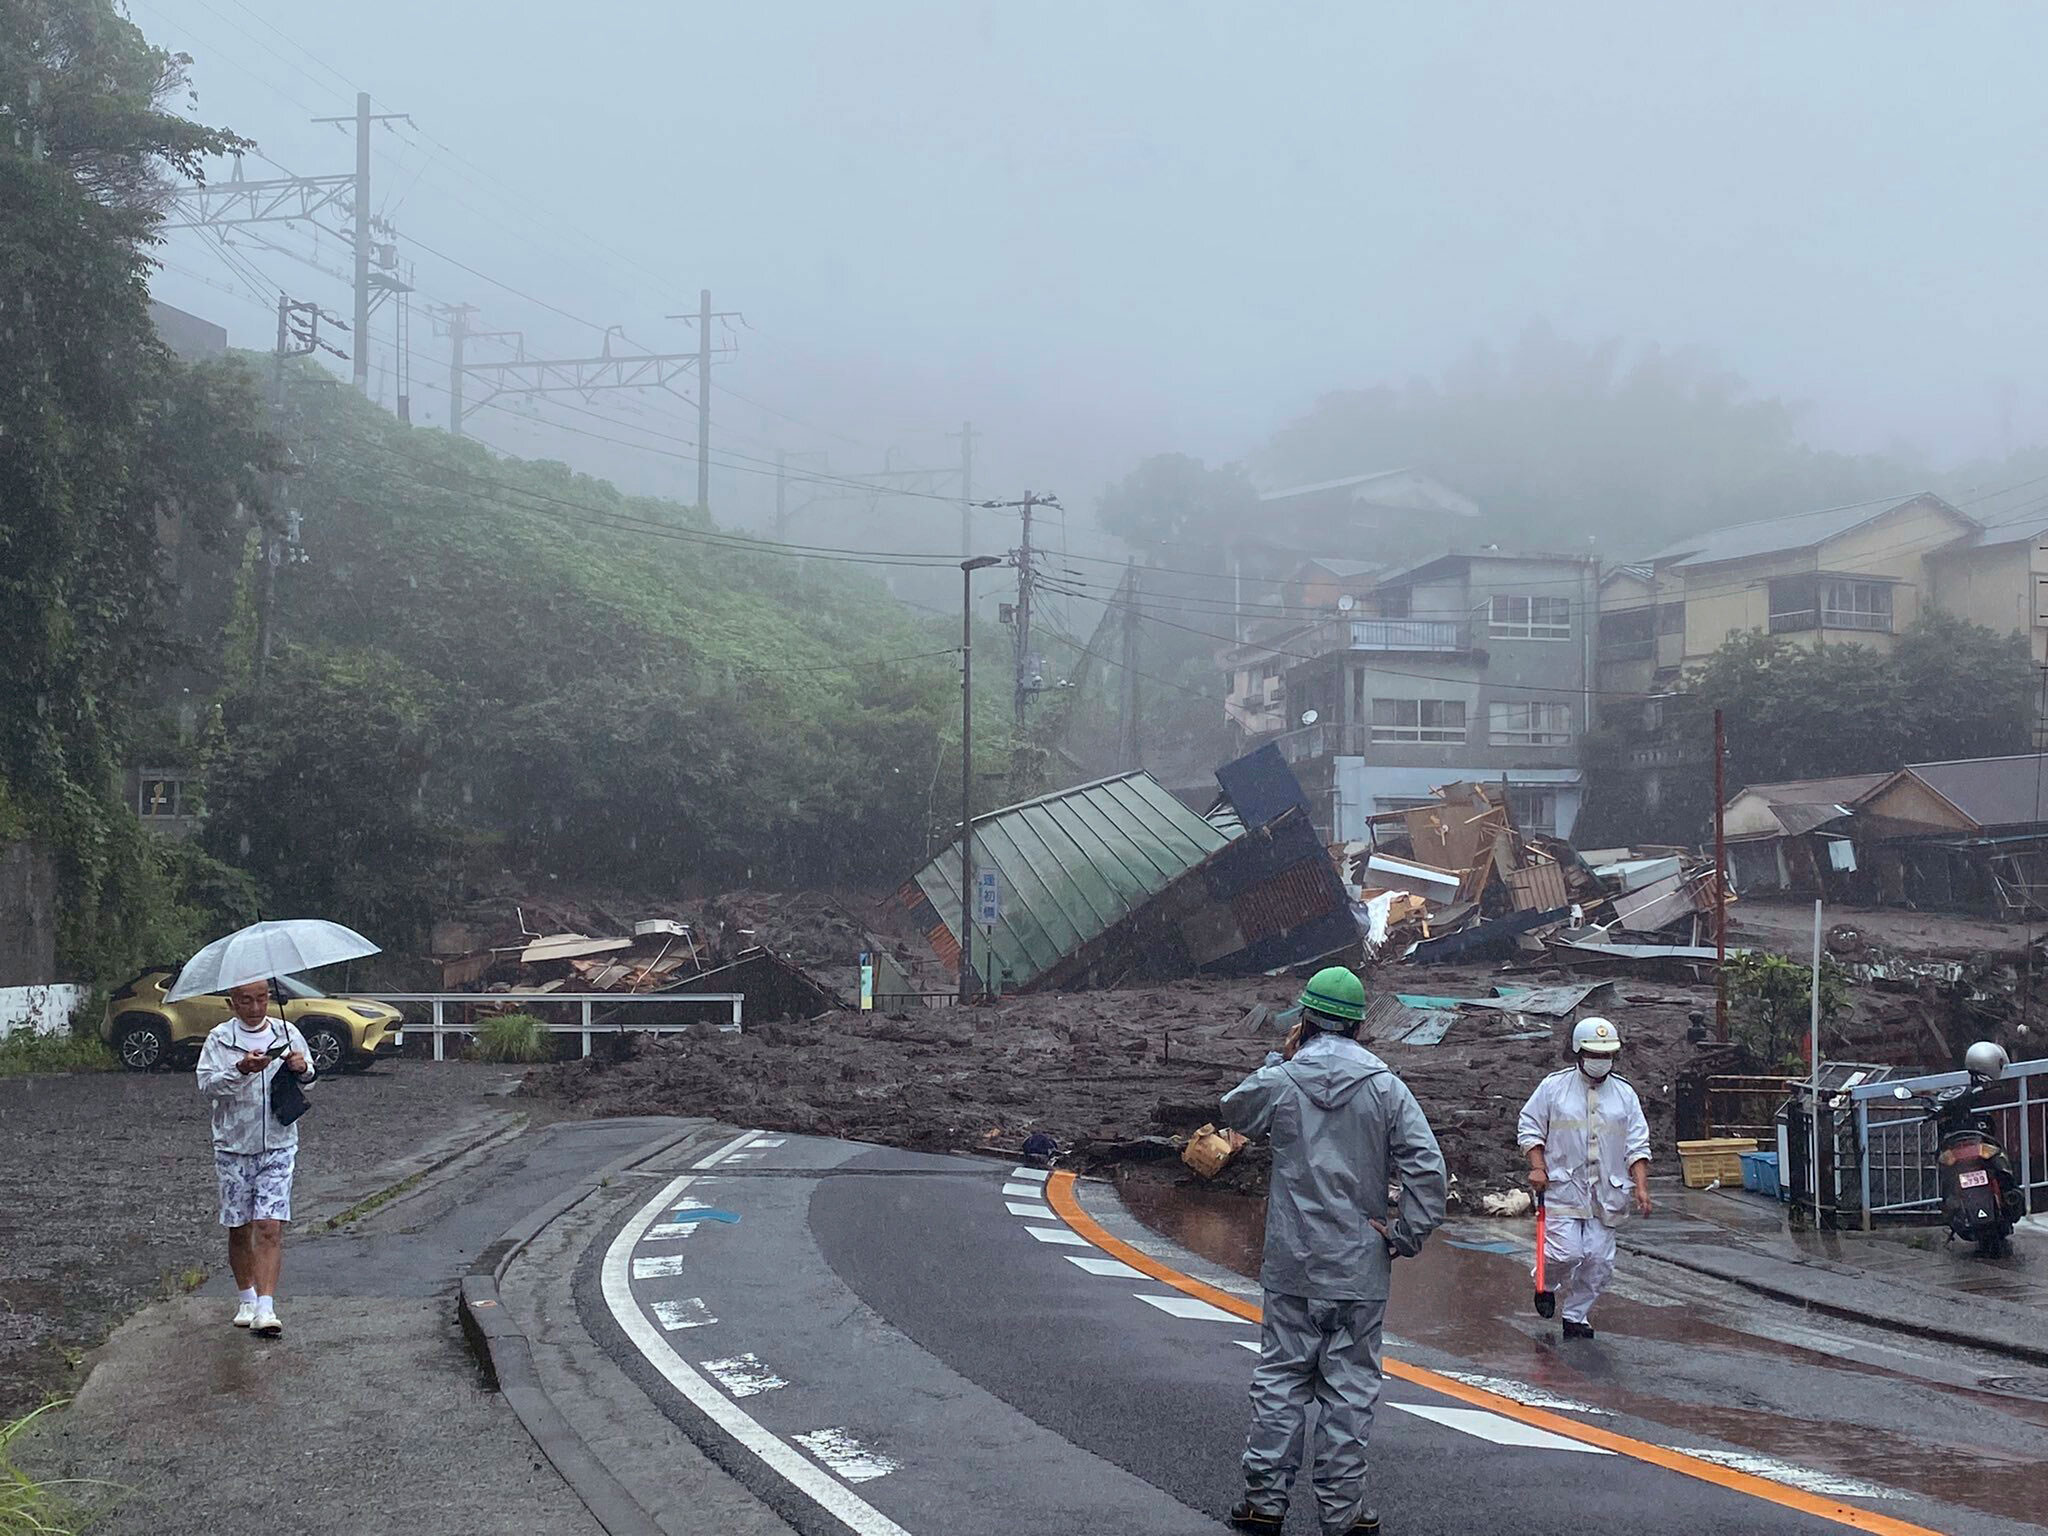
(1983, 1448)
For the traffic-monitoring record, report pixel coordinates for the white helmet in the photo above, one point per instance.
(1986, 1061)
(1595, 1037)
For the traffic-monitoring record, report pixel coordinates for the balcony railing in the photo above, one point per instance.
(1628, 650)
(1415, 636)
(1797, 619)
(1333, 740)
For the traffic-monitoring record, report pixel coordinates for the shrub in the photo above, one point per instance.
(27, 1504)
(1772, 1000)
(512, 1037)
(22, 1053)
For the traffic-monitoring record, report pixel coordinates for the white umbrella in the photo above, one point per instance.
(264, 950)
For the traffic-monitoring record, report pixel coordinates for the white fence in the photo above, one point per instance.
(545, 1007)
(1900, 1144)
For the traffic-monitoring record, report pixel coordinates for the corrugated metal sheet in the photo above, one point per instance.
(1073, 865)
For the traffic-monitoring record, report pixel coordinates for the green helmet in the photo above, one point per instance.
(1336, 993)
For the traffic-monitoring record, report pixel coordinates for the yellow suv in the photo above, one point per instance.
(342, 1033)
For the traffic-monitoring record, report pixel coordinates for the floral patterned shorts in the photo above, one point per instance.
(255, 1186)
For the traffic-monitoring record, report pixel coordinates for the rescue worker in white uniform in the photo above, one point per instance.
(1588, 1145)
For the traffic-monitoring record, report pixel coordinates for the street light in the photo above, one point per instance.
(967, 570)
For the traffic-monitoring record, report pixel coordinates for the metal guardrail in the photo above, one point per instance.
(1899, 1145)
(541, 1004)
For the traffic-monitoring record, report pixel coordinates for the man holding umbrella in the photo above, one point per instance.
(255, 1135)
(254, 1152)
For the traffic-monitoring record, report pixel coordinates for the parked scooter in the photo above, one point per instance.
(1980, 1197)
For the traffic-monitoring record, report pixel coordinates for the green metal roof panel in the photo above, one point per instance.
(1074, 865)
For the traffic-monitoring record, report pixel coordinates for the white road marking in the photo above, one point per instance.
(1035, 1175)
(845, 1455)
(769, 1141)
(1522, 1392)
(726, 1151)
(670, 1231)
(658, 1267)
(1037, 1212)
(1832, 1484)
(1028, 1191)
(1250, 1344)
(1192, 1307)
(690, 1312)
(744, 1375)
(1501, 1431)
(855, 1513)
(1059, 1235)
(1116, 1269)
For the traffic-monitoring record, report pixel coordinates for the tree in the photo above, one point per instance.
(1964, 690)
(101, 434)
(1177, 510)
(1561, 441)
(1772, 1000)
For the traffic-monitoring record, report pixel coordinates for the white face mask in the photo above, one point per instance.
(1595, 1067)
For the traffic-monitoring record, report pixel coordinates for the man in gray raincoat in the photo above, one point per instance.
(1342, 1126)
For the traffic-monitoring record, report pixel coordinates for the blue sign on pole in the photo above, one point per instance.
(988, 897)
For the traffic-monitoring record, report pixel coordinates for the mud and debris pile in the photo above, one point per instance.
(1118, 1078)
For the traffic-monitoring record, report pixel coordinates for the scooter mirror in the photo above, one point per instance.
(1902, 1093)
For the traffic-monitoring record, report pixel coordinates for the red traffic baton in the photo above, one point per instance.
(1546, 1298)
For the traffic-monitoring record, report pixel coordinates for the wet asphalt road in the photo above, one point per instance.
(889, 1324)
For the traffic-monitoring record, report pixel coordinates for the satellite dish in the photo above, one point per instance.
(1309, 717)
(1346, 603)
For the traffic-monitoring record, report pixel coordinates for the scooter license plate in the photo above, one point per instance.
(1975, 1178)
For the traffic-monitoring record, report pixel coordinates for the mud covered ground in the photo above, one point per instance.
(109, 1200)
(1101, 1071)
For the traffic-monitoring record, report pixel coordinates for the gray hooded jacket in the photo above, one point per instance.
(1341, 1124)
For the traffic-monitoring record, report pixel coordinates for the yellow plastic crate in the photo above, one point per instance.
(1718, 1157)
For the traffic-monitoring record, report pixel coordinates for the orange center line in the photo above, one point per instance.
(1061, 1197)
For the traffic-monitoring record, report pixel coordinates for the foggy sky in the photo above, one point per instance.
(1104, 230)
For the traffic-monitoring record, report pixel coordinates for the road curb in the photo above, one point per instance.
(506, 1356)
(1791, 1296)
(499, 1125)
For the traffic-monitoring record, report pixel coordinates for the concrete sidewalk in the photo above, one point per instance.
(1911, 1279)
(370, 1416)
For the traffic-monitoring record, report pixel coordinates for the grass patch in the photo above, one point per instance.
(516, 1037)
(22, 1053)
(28, 1505)
(364, 1207)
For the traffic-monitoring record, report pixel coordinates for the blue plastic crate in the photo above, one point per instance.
(1760, 1173)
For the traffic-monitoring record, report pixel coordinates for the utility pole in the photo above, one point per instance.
(1720, 884)
(298, 335)
(967, 569)
(1127, 734)
(966, 436)
(1027, 576)
(781, 497)
(703, 318)
(364, 282)
(704, 399)
(457, 321)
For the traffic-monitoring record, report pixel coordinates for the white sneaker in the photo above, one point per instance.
(245, 1314)
(267, 1324)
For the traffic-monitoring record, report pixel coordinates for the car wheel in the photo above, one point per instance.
(357, 1061)
(326, 1043)
(141, 1042)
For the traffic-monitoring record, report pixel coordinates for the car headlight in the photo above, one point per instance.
(364, 1011)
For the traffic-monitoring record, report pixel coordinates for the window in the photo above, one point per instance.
(1394, 602)
(1529, 725)
(1671, 618)
(1530, 618)
(1795, 604)
(1856, 605)
(1440, 720)
(160, 797)
(1627, 635)
(1535, 809)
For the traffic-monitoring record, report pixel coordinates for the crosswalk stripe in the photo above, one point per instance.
(1192, 1307)
(1500, 1430)
(1116, 1269)
(1058, 1235)
(1020, 1208)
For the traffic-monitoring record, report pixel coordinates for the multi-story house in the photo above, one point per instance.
(1474, 667)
